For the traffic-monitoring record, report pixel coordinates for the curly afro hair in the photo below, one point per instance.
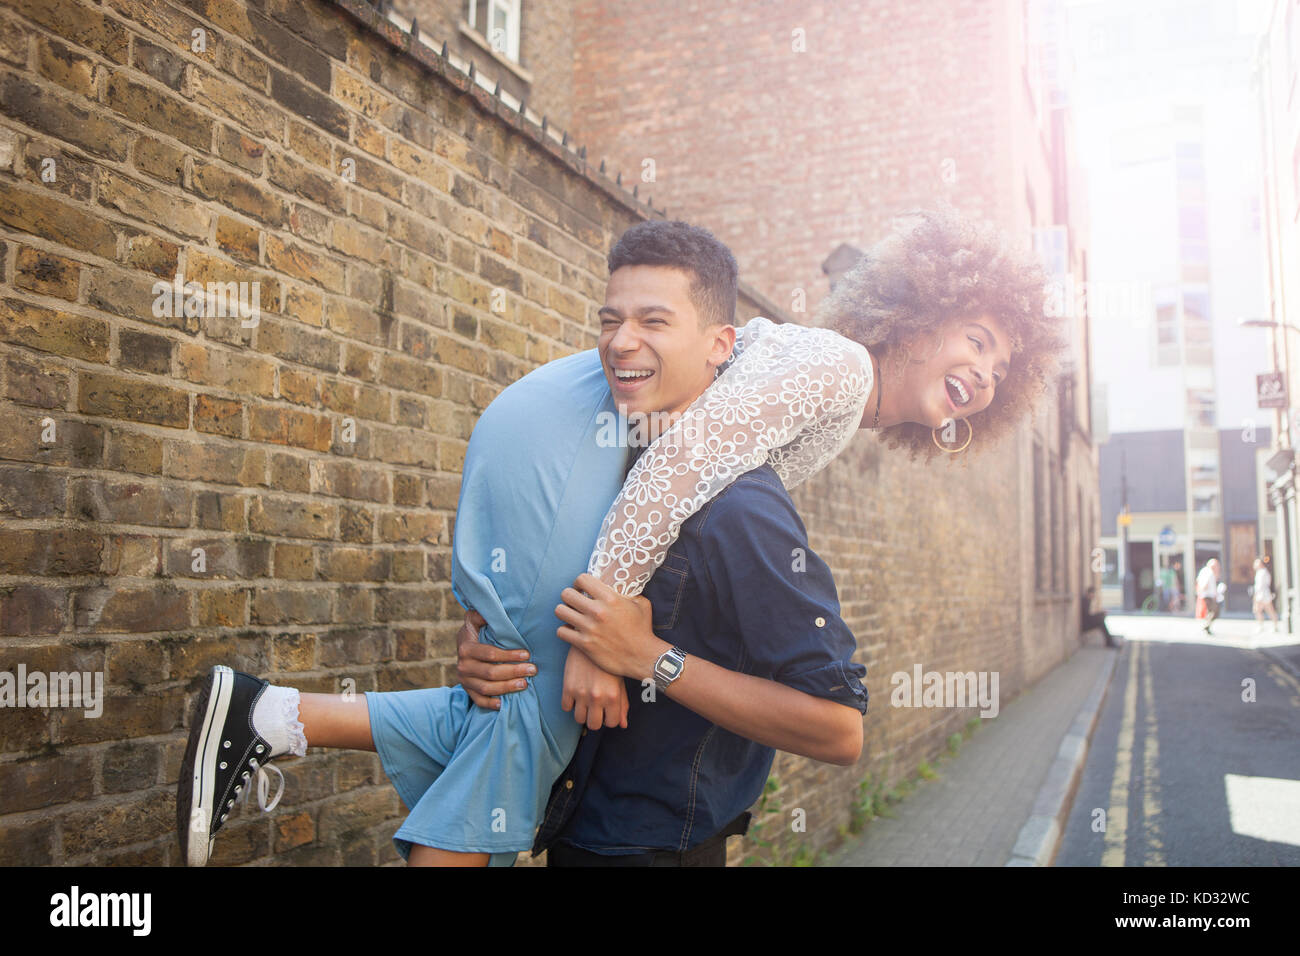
(939, 269)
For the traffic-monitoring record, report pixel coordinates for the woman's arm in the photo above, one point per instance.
(792, 396)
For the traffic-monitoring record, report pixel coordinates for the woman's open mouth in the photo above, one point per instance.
(958, 394)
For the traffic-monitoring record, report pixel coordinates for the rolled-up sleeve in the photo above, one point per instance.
(778, 593)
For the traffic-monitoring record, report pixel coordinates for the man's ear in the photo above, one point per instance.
(724, 340)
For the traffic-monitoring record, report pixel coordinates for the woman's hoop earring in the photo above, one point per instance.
(952, 451)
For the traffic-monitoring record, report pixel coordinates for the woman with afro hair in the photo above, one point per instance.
(937, 340)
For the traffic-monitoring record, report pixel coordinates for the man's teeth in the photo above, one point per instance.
(627, 373)
(959, 388)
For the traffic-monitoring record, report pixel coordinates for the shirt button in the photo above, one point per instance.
(568, 785)
(820, 622)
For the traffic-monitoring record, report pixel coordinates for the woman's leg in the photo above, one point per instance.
(330, 720)
(432, 856)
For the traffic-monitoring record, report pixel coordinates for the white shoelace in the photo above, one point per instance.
(263, 786)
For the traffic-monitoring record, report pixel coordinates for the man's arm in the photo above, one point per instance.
(615, 632)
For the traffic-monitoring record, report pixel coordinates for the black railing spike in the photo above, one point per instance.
(582, 154)
(443, 53)
(415, 30)
(618, 180)
(523, 107)
(544, 122)
(497, 91)
(602, 165)
(471, 71)
(634, 189)
(564, 138)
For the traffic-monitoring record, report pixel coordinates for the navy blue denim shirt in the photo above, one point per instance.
(741, 589)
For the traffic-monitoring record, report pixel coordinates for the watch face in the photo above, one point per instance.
(670, 667)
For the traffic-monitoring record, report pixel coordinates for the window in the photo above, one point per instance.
(498, 21)
(1206, 502)
(1166, 302)
(1200, 408)
(1197, 332)
(1191, 223)
(1057, 493)
(1041, 569)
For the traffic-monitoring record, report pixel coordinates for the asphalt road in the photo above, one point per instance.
(1195, 760)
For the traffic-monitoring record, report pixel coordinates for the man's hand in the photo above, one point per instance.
(612, 630)
(485, 671)
(596, 698)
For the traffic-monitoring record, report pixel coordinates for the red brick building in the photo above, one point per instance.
(418, 240)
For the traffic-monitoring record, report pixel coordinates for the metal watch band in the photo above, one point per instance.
(669, 667)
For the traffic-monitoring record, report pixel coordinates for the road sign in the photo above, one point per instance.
(1270, 390)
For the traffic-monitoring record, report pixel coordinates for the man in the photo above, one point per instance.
(735, 648)
(1207, 593)
(1095, 619)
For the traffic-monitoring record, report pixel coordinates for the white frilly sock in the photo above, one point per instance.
(275, 718)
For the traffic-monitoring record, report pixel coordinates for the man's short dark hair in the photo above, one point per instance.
(713, 270)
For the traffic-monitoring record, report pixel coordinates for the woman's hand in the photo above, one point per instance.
(597, 698)
(613, 630)
(486, 671)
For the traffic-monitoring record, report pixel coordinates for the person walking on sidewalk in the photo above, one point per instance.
(1097, 619)
(1263, 596)
(1207, 593)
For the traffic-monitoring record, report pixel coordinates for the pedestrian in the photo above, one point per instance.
(1177, 605)
(1166, 588)
(1097, 619)
(1263, 595)
(1207, 593)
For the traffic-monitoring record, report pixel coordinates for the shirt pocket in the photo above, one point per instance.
(666, 591)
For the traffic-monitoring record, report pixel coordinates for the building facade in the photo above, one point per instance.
(1277, 76)
(1179, 252)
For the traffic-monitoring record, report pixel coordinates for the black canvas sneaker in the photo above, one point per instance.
(223, 760)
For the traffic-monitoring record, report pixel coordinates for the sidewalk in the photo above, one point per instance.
(1001, 799)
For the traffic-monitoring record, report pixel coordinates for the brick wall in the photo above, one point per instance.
(314, 457)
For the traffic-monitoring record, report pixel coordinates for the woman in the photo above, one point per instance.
(1263, 595)
(922, 334)
(937, 334)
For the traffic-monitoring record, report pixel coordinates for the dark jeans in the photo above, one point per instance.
(1098, 621)
(712, 852)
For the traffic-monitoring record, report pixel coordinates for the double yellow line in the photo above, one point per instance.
(1117, 822)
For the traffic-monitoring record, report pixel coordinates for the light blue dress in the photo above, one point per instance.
(477, 780)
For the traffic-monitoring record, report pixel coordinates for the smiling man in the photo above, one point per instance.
(735, 649)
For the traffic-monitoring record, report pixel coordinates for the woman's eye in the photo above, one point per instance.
(977, 341)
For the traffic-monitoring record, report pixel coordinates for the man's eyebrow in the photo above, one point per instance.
(1006, 368)
(644, 310)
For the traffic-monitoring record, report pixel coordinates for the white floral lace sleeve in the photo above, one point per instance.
(791, 396)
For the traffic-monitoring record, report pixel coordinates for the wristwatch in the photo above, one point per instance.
(669, 667)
